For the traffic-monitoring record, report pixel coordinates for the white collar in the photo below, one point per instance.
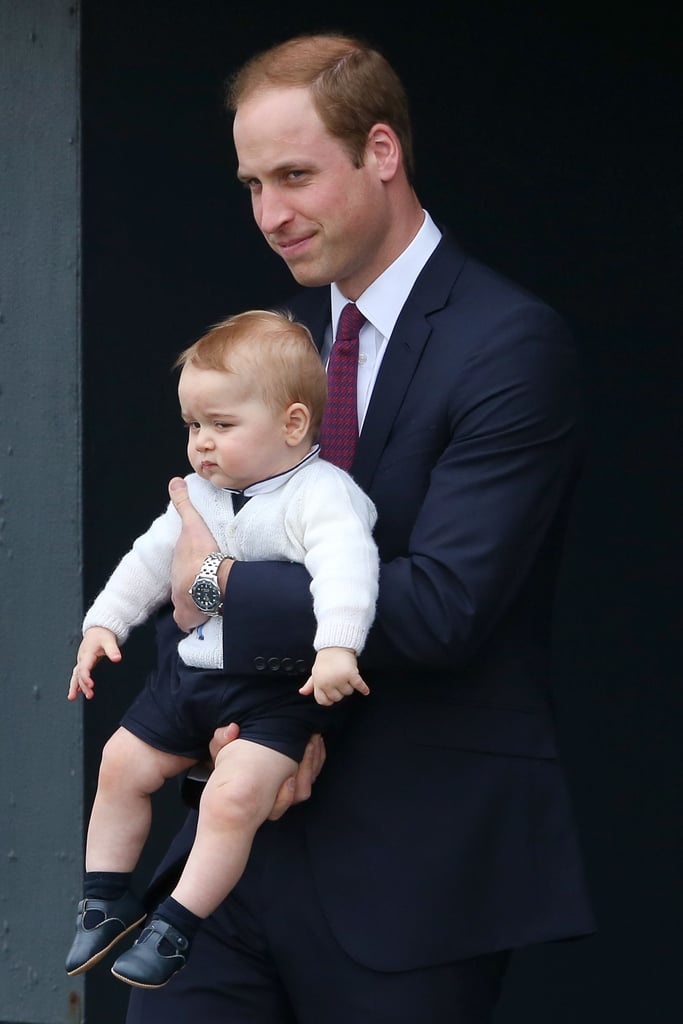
(272, 483)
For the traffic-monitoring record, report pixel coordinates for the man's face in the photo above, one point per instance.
(325, 217)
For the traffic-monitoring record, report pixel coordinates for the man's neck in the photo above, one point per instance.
(406, 220)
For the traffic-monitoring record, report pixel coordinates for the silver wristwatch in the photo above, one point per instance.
(205, 591)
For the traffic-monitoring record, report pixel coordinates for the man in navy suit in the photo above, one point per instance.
(438, 836)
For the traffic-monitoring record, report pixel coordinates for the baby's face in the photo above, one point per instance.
(234, 438)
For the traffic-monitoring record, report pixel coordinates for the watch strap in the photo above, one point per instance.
(210, 566)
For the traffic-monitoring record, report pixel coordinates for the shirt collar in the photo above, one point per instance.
(272, 483)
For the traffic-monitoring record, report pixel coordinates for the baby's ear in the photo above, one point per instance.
(297, 423)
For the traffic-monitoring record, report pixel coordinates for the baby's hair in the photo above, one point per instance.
(275, 353)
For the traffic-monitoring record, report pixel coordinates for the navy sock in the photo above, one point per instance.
(187, 923)
(106, 885)
(103, 885)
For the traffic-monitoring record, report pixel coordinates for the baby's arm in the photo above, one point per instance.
(335, 522)
(139, 584)
(97, 643)
(334, 676)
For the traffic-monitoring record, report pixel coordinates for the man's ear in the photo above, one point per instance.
(297, 423)
(384, 148)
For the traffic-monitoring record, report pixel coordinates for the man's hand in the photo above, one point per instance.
(295, 789)
(195, 542)
(96, 644)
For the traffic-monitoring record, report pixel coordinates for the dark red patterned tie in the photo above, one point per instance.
(339, 430)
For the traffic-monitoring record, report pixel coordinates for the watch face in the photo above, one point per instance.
(206, 595)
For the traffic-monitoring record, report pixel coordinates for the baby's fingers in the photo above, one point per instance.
(307, 687)
(82, 684)
(360, 685)
(111, 648)
(73, 687)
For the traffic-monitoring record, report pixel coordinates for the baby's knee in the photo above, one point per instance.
(236, 803)
(127, 763)
(114, 761)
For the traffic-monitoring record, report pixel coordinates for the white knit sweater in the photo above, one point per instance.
(313, 514)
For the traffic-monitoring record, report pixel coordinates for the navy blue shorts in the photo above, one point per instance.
(180, 708)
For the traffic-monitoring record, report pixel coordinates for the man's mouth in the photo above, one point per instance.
(288, 247)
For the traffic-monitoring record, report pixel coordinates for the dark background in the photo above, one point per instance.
(546, 138)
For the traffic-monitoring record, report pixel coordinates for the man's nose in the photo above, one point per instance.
(272, 211)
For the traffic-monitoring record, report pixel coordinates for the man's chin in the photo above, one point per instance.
(308, 277)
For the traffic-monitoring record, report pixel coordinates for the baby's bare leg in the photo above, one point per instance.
(130, 772)
(237, 799)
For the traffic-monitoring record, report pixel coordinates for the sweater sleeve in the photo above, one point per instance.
(337, 519)
(141, 582)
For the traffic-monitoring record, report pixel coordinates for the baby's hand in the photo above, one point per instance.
(97, 643)
(334, 676)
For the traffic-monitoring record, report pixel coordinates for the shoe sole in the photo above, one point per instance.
(103, 952)
(142, 984)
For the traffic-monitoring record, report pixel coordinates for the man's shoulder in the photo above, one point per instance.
(481, 277)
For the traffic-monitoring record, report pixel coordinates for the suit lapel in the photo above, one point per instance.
(430, 293)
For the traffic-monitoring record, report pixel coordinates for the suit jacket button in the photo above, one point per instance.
(259, 664)
(273, 664)
(300, 665)
(287, 665)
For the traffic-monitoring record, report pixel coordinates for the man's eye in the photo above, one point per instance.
(190, 426)
(222, 426)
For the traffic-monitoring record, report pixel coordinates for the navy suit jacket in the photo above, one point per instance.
(440, 827)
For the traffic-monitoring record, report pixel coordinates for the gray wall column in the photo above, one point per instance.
(41, 781)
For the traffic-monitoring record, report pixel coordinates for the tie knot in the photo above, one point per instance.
(350, 322)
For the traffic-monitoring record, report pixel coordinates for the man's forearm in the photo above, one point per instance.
(268, 618)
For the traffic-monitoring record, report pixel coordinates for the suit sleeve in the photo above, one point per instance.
(270, 610)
